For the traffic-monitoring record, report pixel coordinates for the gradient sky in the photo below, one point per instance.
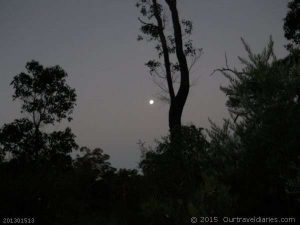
(94, 41)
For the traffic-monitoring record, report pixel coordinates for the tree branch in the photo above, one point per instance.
(165, 49)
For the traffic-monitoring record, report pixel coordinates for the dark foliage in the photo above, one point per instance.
(262, 136)
(292, 24)
(44, 93)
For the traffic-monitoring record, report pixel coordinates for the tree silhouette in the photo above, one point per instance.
(292, 24)
(45, 99)
(36, 175)
(94, 163)
(174, 177)
(262, 135)
(175, 49)
(44, 93)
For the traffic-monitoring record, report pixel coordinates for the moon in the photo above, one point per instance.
(151, 101)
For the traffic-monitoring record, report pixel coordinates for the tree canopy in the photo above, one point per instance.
(45, 99)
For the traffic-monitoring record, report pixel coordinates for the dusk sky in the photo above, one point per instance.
(95, 42)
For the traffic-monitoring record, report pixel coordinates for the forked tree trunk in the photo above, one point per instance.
(178, 102)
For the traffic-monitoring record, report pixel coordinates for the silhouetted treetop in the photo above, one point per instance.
(292, 23)
(47, 99)
(17, 137)
(44, 93)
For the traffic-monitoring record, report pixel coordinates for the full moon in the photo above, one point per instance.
(151, 102)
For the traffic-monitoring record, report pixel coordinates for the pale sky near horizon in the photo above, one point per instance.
(94, 41)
